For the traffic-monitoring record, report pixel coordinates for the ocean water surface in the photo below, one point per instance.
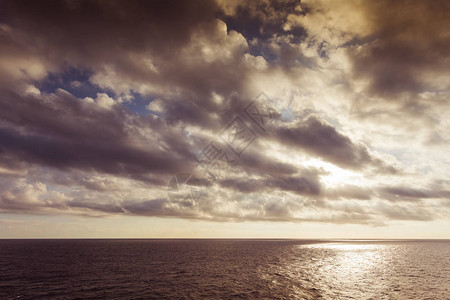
(223, 269)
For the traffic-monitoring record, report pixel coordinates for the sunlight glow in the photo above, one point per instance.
(335, 176)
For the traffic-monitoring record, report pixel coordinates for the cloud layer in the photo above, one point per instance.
(145, 108)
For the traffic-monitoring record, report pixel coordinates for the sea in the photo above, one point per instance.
(224, 269)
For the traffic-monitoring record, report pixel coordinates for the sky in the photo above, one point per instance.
(224, 119)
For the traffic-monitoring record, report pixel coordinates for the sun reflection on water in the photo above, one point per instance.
(356, 267)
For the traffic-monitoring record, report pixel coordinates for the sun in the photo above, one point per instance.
(335, 176)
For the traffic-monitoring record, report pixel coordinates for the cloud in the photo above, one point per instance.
(394, 48)
(409, 46)
(402, 212)
(349, 191)
(321, 139)
(102, 103)
(402, 193)
(64, 132)
(307, 184)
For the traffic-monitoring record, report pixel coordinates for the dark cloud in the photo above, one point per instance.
(61, 131)
(150, 207)
(307, 184)
(402, 193)
(108, 158)
(261, 22)
(409, 39)
(92, 30)
(63, 115)
(319, 138)
(349, 191)
(259, 19)
(95, 206)
(135, 47)
(255, 162)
